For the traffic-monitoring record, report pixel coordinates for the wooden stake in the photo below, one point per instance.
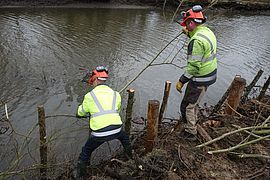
(43, 144)
(235, 93)
(152, 119)
(251, 85)
(129, 110)
(221, 101)
(205, 135)
(164, 101)
(264, 88)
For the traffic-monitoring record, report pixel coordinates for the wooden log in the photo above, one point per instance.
(43, 145)
(235, 93)
(129, 110)
(205, 135)
(164, 101)
(152, 122)
(250, 86)
(264, 88)
(221, 101)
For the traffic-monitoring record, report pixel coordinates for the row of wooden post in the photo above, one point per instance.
(155, 115)
(233, 95)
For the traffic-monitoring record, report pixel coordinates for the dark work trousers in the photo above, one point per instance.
(189, 106)
(94, 142)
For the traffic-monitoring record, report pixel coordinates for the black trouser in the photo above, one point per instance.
(94, 142)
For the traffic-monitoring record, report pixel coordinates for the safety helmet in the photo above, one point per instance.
(100, 72)
(194, 13)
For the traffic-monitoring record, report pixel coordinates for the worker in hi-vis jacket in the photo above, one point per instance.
(201, 70)
(103, 105)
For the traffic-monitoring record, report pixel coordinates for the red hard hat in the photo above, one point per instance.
(100, 72)
(194, 13)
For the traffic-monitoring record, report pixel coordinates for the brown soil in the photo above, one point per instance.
(175, 158)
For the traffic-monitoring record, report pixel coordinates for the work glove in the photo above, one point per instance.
(179, 86)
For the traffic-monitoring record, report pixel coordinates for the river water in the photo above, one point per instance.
(42, 52)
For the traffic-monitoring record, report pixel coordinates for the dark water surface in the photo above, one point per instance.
(42, 51)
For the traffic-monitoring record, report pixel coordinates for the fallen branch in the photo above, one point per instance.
(132, 80)
(221, 101)
(238, 146)
(240, 155)
(183, 162)
(266, 121)
(227, 134)
(63, 115)
(205, 135)
(158, 64)
(262, 131)
(250, 133)
(180, 158)
(234, 110)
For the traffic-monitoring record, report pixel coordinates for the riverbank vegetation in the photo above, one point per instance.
(228, 4)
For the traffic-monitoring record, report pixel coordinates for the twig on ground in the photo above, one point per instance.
(227, 134)
(234, 110)
(252, 134)
(238, 146)
(242, 155)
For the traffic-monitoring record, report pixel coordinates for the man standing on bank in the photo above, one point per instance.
(201, 70)
(103, 104)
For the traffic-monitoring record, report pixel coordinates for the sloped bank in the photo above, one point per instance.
(243, 4)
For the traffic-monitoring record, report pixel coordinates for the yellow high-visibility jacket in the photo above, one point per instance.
(103, 104)
(201, 60)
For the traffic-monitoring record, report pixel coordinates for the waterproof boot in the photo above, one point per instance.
(81, 170)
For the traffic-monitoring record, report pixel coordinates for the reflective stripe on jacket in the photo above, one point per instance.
(103, 104)
(201, 57)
